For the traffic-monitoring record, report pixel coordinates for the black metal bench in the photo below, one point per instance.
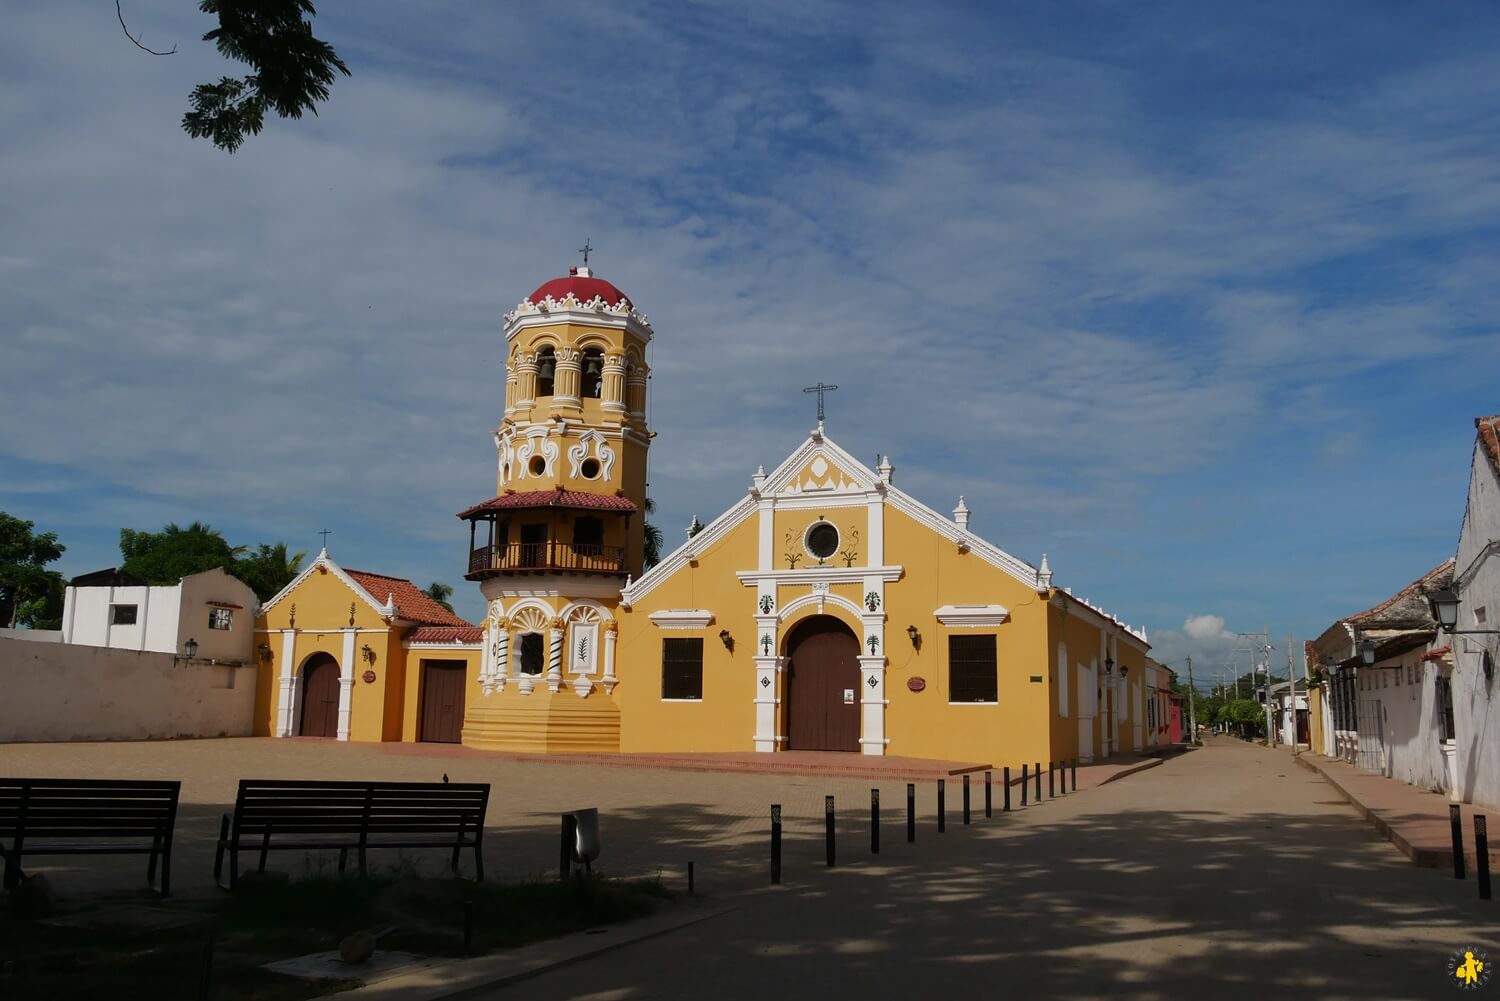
(73, 817)
(307, 815)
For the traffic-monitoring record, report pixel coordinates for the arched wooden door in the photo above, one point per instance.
(823, 686)
(320, 697)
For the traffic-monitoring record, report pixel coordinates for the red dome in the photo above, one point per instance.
(583, 286)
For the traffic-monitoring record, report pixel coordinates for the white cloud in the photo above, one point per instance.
(1204, 628)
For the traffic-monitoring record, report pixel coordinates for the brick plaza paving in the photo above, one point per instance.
(652, 819)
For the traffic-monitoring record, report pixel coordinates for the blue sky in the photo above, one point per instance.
(1196, 298)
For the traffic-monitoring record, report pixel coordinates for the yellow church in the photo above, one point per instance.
(827, 610)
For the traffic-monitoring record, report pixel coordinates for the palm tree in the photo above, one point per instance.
(269, 569)
(651, 551)
(440, 593)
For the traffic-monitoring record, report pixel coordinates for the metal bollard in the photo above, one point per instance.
(966, 800)
(1005, 788)
(874, 821)
(989, 802)
(1038, 781)
(1051, 780)
(942, 807)
(1062, 777)
(828, 828)
(1075, 774)
(1482, 855)
(911, 812)
(565, 851)
(775, 843)
(1456, 823)
(1025, 781)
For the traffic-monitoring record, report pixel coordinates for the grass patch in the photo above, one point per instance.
(270, 921)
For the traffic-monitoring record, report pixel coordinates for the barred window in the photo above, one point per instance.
(682, 668)
(220, 618)
(971, 669)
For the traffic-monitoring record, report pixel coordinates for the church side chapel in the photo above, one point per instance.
(354, 655)
(827, 610)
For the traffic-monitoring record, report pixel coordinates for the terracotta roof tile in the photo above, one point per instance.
(411, 601)
(1408, 606)
(1488, 429)
(577, 500)
(446, 634)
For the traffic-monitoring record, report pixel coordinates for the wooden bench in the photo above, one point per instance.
(73, 817)
(307, 815)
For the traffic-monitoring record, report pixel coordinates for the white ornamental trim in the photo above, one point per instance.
(682, 618)
(972, 616)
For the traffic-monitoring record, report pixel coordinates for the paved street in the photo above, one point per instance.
(1225, 873)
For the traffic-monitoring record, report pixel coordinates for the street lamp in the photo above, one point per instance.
(1445, 610)
(1367, 652)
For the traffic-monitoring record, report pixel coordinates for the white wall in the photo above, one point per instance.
(1476, 716)
(1406, 689)
(86, 617)
(56, 692)
(166, 617)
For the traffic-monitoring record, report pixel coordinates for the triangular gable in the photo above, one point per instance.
(386, 610)
(789, 479)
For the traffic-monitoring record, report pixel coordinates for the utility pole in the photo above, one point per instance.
(1261, 649)
(1192, 704)
(1292, 691)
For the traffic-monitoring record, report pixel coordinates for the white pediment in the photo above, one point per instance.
(973, 616)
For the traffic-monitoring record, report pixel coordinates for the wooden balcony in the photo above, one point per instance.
(544, 557)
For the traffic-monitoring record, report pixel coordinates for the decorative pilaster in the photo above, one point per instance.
(288, 695)
(569, 377)
(554, 656)
(525, 378)
(346, 683)
(499, 656)
(768, 672)
(612, 393)
(611, 635)
(635, 392)
(872, 705)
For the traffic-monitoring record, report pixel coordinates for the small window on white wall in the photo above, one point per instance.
(122, 615)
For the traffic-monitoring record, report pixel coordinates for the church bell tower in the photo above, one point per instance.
(565, 529)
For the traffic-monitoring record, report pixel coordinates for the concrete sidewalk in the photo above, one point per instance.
(1415, 820)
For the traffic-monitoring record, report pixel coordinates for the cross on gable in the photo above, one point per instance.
(820, 389)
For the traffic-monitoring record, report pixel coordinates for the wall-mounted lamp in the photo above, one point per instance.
(915, 637)
(189, 650)
(367, 653)
(1367, 652)
(1109, 665)
(264, 650)
(1445, 610)
(1124, 670)
(727, 640)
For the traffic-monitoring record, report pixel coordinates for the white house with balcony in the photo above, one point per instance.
(213, 610)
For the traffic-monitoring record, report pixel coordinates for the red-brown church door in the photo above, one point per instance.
(320, 697)
(442, 711)
(823, 686)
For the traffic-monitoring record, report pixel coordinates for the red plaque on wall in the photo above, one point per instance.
(369, 677)
(916, 684)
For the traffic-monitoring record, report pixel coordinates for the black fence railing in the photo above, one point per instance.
(533, 557)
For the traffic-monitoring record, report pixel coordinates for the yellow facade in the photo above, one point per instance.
(827, 609)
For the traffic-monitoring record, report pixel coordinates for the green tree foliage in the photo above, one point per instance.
(654, 540)
(165, 557)
(269, 569)
(292, 69)
(30, 594)
(440, 593)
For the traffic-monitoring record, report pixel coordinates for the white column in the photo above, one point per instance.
(872, 705)
(286, 701)
(611, 636)
(346, 684)
(554, 659)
